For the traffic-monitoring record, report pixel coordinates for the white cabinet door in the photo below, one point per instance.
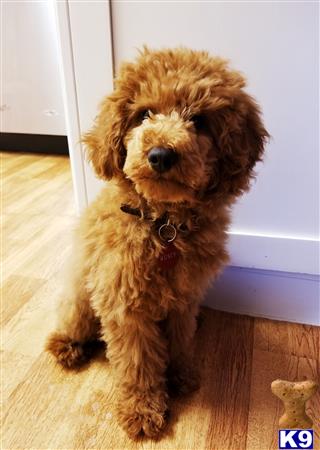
(31, 100)
(84, 32)
(276, 225)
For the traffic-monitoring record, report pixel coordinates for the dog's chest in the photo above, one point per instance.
(137, 269)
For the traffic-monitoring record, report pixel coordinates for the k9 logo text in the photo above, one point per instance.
(297, 439)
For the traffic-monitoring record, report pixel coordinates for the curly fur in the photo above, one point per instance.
(116, 289)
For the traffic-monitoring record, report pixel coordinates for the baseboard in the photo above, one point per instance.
(34, 143)
(291, 297)
(296, 254)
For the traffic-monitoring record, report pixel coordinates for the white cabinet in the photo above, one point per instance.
(31, 100)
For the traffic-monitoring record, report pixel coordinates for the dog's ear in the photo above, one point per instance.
(240, 138)
(104, 142)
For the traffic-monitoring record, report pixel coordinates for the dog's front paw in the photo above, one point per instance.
(143, 416)
(182, 379)
(68, 353)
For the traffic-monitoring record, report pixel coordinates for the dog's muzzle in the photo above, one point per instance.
(162, 159)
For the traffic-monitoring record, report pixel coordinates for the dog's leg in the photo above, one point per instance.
(77, 329)
(138, 353)
(181, 373)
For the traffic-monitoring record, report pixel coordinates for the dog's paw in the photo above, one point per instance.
(149, 424)
(145, 416)
(69, 354)
(182, 380)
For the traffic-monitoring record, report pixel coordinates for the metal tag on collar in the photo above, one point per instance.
(167, 232)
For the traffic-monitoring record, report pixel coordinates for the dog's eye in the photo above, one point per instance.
(199, 121)
(144, 114)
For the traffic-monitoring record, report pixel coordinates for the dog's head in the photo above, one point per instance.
(179, 126)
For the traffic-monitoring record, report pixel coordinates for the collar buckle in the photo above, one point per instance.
(167, 232)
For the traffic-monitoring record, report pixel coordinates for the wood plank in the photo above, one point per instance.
(32, 196)
(50, 245)
(55, 408)
(27, 330)
(15, 293)
(31, 165)
(226, 345)
(287, 338)
(11, 164)
(14, 367)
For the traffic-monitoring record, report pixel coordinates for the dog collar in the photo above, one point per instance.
(164, 228)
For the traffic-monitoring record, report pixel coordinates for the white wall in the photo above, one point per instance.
(31, 97)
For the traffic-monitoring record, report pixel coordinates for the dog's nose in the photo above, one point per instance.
(162, 159)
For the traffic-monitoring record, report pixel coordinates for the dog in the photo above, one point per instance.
(177, 141)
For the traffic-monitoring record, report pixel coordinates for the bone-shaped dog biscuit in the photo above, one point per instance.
(294, 396)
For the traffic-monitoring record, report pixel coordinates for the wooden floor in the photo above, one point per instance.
(45, 407)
